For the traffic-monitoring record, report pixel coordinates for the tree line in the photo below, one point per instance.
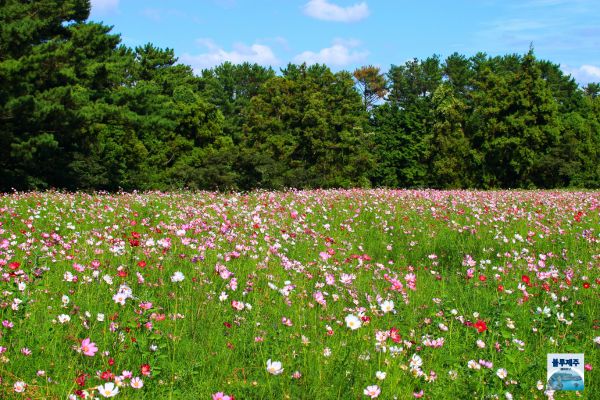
(79, 110)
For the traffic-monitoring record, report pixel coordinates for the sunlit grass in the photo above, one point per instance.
(273, 275)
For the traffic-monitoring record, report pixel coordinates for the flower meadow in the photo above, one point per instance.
(338, 294)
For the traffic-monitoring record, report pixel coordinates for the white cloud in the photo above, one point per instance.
(584, 74)
(323, 9)
(255, 53)
(341, 53)
(104, 6)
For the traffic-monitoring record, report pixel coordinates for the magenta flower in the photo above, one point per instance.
(221, 396)
(88, 348)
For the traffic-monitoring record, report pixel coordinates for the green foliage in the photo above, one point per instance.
(80, 111)
(306, 129)
(450, 149)
(371, 84)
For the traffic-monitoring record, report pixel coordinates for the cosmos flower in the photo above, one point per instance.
(63, 318)
(387, 306)
(19, 386)
(481, 326)
(177, 277)
(274, 367)
(353, 322)
(108, 390)
(372, 391)
(88, 348)
(221, 396)
(136, 383)
(145, 369)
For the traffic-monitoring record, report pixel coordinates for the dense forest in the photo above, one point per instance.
(79, 110)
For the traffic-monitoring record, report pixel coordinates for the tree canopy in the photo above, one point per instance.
(79, 110)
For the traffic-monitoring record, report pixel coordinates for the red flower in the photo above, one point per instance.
(80, 380)
(546, 287)
(482, 278)
(14, 265)
(395, 335)
(500, 288)
(107, 375)
(142, 264)
(145, 368)
(134, 242)
(586, 285)
(480, 325)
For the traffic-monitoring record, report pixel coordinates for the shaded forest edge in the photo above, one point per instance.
(81, 111)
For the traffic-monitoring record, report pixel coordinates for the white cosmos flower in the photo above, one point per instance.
(372, 391)
(19, 387)
(501, 373)
(177, 277)
(380, 375)
(387, 306)
(274, 367)
(108, 390)
(353, 322)
(63, 318)
(136, 383)
(415, 361)
(120, 298)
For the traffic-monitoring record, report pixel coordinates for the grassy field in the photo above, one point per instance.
(297, 295)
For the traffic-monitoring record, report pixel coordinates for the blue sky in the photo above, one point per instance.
(345, 34)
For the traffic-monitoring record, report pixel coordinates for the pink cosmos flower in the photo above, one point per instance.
(372, 391)
(88, 348)
(19, 387)
(221, 396)
(137, 383)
